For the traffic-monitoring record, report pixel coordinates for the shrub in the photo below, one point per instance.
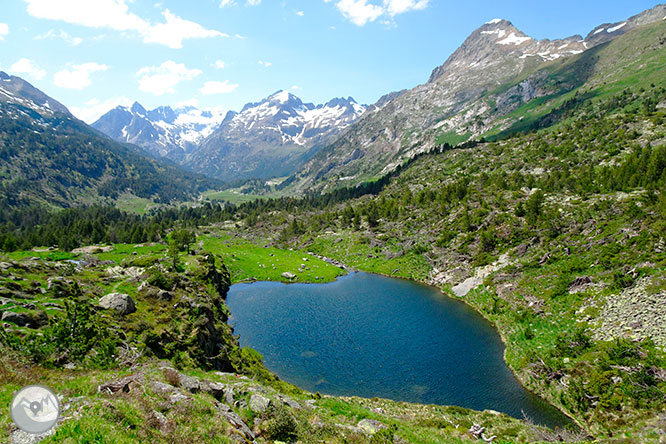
(279, 423)
(160, 279)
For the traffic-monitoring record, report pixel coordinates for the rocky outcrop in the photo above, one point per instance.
(20, 319)
(633, 313)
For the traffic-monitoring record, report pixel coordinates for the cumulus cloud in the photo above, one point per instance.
(264, 63)
(4, 30)
(160, 80)
(175, 29)
(253, 2)
(219, 64)
(29, 68)
(93, 109)
(78, 77)
(360, 12)
(115, 14)
(214, 87)
(52, 34)
(300, 13)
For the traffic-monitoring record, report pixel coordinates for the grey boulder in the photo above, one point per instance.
(120, 302)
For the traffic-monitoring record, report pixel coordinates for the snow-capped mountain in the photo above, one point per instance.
(16, 90)
(163, 131)
(272, 137)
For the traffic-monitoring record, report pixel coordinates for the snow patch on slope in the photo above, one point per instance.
(514, 39)
(615, 28)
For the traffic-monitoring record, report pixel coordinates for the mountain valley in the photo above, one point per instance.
(525, 179)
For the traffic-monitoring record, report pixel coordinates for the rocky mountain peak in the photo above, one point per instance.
(137, 108)
(163, 113)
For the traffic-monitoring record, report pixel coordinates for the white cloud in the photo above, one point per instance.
(94, 109)
(213, 87)
(360, 12)
(162, 79)
(225, 3)
(296, 87)
(115, 14)
(300, 13)
(264, 63)
(27, 66)
(4, 30)
(253, 2)
(78, 77)
(219, 64)
(52, 34)
(112, 14)
(395, 7)
(175, 30)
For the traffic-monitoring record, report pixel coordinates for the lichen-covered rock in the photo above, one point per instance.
(259, 403)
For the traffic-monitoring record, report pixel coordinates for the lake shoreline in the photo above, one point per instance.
(495, 329)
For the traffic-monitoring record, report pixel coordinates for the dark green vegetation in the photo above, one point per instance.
(53, 159)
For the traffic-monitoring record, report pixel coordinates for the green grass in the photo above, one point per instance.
(249, 261)
(133, 204)
(122, 252)
(230, 196)
(452, 138)
(352, 250)
(54, 255)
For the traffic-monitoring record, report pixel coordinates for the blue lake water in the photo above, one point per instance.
(368, 335)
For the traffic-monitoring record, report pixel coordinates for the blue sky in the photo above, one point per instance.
(95, 54)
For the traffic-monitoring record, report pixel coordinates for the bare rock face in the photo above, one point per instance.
(120, 302)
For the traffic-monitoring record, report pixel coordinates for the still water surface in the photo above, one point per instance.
(369, 335)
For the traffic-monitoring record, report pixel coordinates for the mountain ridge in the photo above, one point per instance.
(494, 72)
(51, 158)
(265, 139)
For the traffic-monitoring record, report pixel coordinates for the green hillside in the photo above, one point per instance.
(56, 160)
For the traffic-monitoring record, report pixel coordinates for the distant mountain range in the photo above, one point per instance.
(499, 81)
(163, 131)
(270, 138)
(49, 157)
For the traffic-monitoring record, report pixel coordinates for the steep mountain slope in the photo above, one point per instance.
(49, 157)
(477, 91)
(162, 132)
(273, 137)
